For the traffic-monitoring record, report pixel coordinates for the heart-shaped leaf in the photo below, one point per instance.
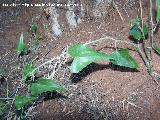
(21, 101)
(20, 46)
(43, 85)
(28, 71)
(80, 50)
(121, 57)
(83, 56)
(138, 29)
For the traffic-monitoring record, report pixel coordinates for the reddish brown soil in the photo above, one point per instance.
(101, 91)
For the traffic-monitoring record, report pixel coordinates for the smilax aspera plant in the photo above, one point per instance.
(36, 85)
(83, 55)
(139, 31)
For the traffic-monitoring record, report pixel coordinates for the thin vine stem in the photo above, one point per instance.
(111, 39)
(152, 26)
(148, 56)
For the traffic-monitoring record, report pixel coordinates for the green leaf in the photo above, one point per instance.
(21, 101)
(121, 57)
(81, 62)
(28, 71)
(43, 85)
(83, 56)
(20, 46)
(157, 50)
(80, 50)
(138, 29)
(135, 32)
(136, 21)
(158, 10)
(33, 27)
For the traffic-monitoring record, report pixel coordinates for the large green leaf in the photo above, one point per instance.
(158, 10)
(43, 85)
(121, 57)
(20, 46)
(28, 71)
(138, 29)
(83, 56)
(80, 50)
(21, 101)
(81, 62)
(137, 34)
(33, 27)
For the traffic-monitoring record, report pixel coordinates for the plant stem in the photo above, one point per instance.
(118, 10)
(6, 98)
(152, 26)
(111, 39)
(49, 61)
(146, 62)
(148, 56)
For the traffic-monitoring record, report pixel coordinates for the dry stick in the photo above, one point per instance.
(118, 11)
(54, 69)
(58, 64)
(7, 86)
(112, 39)
(47, 62)
(124, 8)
